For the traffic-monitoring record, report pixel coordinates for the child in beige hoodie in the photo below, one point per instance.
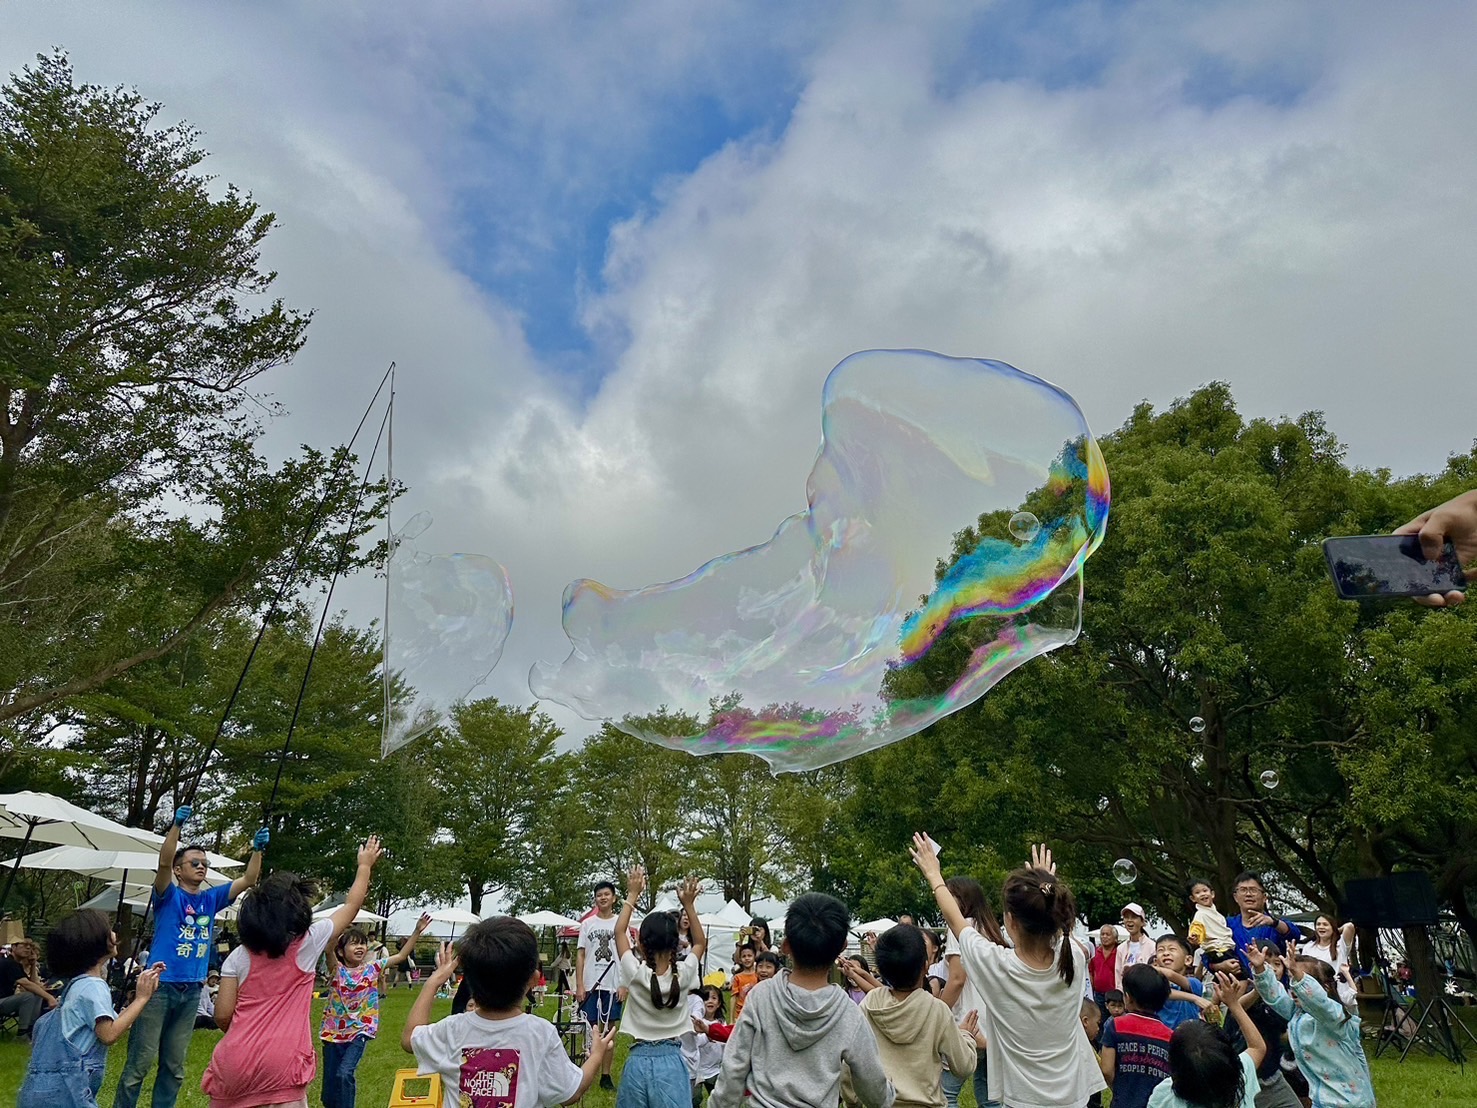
(914, 1028)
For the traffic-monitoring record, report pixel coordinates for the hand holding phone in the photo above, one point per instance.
(1372, 567)
(1452, 524)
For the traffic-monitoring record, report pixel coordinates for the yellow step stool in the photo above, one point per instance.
(413, 1090)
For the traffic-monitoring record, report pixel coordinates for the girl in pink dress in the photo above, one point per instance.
(266, 1057)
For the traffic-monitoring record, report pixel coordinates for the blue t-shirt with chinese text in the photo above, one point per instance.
(183, 928)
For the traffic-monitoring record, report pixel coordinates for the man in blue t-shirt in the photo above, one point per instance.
(184, 919)
(1254, 924)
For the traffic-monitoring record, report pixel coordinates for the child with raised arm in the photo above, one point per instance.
(915, 1029)
(799, 1030)
(1205, 1070)
(266, 996)
(657, 984)
(494, 1054)
(351, 1015)
(1323, 1033)
(69, 1044)
(1039, 1057)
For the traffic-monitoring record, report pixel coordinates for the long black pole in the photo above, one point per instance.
(338, 569)
(287, 579)
(15, 869)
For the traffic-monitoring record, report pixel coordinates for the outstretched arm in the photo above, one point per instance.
(403, 954)
(344, 914)
(635, 883)
(253, 872)
(164, 876)
(927, 861)
(687, 893)
(420, 1011)
(1231, 993)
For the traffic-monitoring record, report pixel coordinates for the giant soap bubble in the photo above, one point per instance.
(447, 619)
(911, 585)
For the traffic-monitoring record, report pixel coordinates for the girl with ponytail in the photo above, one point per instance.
(657, 983)
(1032, 992)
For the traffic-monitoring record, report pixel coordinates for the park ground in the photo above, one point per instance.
(1419, 1082)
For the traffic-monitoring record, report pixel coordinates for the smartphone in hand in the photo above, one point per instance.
(1370, 567)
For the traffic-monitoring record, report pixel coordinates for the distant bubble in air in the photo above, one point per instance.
(1125, 871)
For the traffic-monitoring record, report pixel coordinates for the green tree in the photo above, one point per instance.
(1209, 599)
(134, 318)
(507, 773)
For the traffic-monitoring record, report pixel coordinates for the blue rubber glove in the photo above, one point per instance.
(182, 813)
(260, 839)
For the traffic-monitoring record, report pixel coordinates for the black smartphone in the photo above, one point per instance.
(1368, 567)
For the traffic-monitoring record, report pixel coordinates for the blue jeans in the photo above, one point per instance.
(340, 1060)
(162, 1031)
(655, 1076)
(953, 1084)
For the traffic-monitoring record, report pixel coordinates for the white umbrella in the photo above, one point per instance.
(875, 926)
(544, 918)
(364, 915)
(50, 819)
(105, 865)
(135, 896)
(457, 917)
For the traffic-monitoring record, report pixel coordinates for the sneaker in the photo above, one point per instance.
(606, 1082)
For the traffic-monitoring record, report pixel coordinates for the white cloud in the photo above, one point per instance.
(1109, 232)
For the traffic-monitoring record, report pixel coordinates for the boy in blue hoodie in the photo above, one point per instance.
(798, 1029)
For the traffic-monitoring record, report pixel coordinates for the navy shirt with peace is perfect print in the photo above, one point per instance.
(184, 926)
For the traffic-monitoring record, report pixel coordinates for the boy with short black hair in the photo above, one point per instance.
(483, 1056)
(1135, 1051)
(1113, 1002)
(1172, 959)
(746, 977)
(914, 1028)
(789, 1049)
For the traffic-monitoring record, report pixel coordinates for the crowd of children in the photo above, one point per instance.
(1014, 1003)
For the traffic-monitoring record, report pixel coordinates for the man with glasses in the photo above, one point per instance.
(184, 925)
(1255, 923)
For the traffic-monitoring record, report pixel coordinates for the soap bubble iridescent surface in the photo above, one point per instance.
(900, 595)
(1125, 871)
(1269, 779)
(447, 621)
(1197, 724)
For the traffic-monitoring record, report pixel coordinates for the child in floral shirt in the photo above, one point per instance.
(352, 1015)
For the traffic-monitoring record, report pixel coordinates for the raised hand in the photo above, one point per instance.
(182, 814)
(687, 892)
(423, 923)
(925, 859)
(1228, 989)
(636, 880)
(446, 961)
(604, 1042)
(1294, 965)
(371, 851)
(260, 840)
(148, 981)
(970, 1025)
(1256, 958)
(1041, 858)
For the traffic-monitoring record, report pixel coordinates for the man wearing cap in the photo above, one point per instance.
(1137, 948)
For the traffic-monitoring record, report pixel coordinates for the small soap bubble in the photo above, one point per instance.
(1270, 780)
(805, 650)
(1125, 871)
(1024, 526)
(1197, 724)
(1102, 804)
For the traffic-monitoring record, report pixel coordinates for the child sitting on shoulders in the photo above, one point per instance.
(1135, 1052)
(1209, 929)
(800, 1030)
(914, 1029)
(1205, 1071)
(69, 1043)
(494, 1054)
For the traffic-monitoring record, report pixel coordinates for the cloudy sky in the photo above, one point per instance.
(614, 248)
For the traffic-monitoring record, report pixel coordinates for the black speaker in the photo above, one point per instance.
(1400, 900)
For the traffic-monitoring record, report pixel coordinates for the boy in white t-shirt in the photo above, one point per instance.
(493, 1054)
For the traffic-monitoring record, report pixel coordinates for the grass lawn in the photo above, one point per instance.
(1421, 1081)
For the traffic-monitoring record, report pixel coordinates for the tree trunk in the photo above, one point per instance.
(1420, 956)
(475, 890)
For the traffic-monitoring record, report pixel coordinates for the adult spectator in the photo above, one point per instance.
(1454, 522)
(1255, 924)
(1103, 967)
(598, 976)
(184, 930)
(22, 994)
(1136, 949)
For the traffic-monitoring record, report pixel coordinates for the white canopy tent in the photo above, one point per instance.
(544, 918)
(364, 915)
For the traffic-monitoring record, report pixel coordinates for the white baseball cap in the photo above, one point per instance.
(1136, 909)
